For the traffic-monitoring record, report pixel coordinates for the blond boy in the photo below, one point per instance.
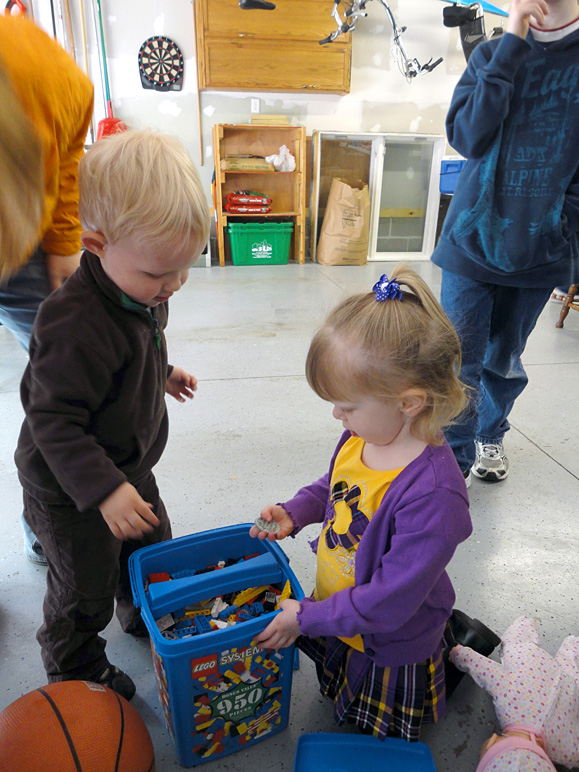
(94, 395)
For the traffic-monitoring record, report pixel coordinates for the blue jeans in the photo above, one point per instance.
(21, 296)
(493, 323)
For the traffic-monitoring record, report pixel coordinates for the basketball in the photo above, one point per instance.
(74, 726)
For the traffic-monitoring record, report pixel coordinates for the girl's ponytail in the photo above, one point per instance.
(408, 278)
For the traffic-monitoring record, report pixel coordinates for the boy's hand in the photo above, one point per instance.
(281, 517)
(181, 384)
(127, 514)
(520, 14)
(284, 628)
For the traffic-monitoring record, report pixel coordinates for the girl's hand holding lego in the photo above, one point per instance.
(271, 513)
(127, 514)
(181, 384)
(284, 628)
(520, 15)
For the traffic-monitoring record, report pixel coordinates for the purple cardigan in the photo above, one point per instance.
(402, 596)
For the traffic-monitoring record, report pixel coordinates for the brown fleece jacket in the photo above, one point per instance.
(93, 391)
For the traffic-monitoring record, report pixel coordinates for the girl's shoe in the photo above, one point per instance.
(473, 633)
(467, 632)
(490, 464)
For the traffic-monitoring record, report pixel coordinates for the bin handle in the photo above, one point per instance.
(283, 554)
(165, 597)
(134, 583)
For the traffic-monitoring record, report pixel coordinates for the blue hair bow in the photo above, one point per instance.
(387, 289)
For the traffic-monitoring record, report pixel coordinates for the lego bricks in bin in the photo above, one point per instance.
(218, 612)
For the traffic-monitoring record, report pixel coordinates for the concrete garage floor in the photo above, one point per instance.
(256, 433)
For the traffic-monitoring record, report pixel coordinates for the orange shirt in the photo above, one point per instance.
(58, 98)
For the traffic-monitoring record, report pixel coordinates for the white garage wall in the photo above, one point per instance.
(380, 98)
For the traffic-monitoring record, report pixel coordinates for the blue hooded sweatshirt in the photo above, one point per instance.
(514, 216)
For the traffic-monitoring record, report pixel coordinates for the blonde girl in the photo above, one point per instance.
(393, 508)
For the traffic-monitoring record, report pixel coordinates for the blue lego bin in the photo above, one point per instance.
(220, 692)
(449, 170)
(327, 752)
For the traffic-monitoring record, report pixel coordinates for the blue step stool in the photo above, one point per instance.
(329, 752)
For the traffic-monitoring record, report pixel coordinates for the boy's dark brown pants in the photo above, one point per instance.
(87, 571)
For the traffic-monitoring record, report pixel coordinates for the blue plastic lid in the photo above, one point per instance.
(328, 752)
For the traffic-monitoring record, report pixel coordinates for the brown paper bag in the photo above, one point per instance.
(345, 229)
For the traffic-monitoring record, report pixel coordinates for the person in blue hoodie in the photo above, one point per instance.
(511, 231)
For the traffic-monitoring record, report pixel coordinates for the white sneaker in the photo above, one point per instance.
(490, 464)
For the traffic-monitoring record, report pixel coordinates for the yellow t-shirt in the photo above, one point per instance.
(356, 493)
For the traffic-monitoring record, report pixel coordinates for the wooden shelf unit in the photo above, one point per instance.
(286, 189)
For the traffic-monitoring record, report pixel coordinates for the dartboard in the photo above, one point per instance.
(161, 64)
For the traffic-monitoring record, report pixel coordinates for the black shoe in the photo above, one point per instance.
(472, 633)
(467, 632)
(116, 680)
(250, 5)
(138, 630)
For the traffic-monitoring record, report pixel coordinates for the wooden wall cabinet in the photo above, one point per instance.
(279, 50)
(286, 189)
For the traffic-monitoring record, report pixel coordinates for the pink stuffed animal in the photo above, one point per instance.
(536, 698)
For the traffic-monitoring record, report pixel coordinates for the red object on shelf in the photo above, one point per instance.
(247, 197)
(239, 209)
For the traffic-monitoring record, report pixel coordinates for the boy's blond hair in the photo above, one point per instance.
(22, 187)
(142, 184)
(380, 348)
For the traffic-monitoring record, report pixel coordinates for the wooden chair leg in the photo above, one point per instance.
(567, 303)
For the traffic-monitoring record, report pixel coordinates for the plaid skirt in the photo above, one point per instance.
(382, 701)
